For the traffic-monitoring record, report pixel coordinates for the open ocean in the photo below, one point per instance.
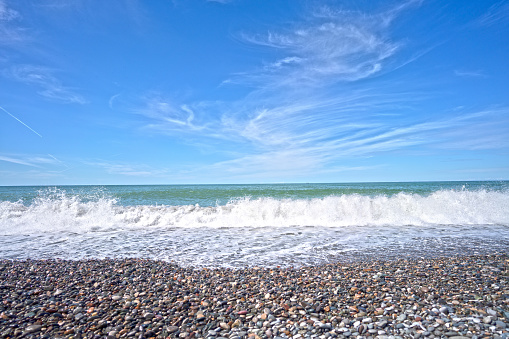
(255, 225)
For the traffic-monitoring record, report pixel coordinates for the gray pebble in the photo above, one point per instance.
(33, 328)
(500, 324)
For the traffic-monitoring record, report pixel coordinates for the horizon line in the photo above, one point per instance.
(267, 183)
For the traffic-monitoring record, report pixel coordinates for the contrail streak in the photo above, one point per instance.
(63, 163)
(30, 128)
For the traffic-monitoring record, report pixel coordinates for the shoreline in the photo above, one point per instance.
(464, 296)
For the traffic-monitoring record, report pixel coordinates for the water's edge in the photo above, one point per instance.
(275, 225)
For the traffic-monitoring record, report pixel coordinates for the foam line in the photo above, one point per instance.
(63, 212)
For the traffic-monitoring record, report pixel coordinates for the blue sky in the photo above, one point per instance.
(168, 92)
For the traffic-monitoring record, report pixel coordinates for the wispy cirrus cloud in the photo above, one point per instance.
(469, 74)
(220, 1)
(287, 163)
(484, 130)
(126, 169)
(83, 11)
(31, 166)
(49, 86)
(330, 46)
(38, 161)
(496, 14)
(20, 37)
(6, 13)
(315, 135)
(305, 115)
(165, 115)
(294, 150)
(10, 31)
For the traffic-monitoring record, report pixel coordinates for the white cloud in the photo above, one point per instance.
(10, 32)
(497, 13)
(168, 116)
(6, 13)
(30, 160)
(17, 161)
(220, 1)
(469, 74)
(112, 100)
(43, 78)
(126, 169)
(49, 86)
(331, 46)
(295, 141)
(483, 130)
(302, 120)
(279, 165)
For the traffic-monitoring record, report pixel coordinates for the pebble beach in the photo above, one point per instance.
(459, 297)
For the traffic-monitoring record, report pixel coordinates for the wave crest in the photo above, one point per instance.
(60, 212)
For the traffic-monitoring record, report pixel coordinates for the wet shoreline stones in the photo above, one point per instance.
(460, 297)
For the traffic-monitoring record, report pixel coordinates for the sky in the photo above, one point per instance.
(250, 91)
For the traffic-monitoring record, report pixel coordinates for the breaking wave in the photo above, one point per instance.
(81, 214)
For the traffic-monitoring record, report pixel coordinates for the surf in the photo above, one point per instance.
(94, 213)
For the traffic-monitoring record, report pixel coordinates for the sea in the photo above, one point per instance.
(268, 225)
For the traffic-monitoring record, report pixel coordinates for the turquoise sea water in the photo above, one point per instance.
(271, 224)
(211, 195)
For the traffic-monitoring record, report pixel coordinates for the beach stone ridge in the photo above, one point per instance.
(457, 297)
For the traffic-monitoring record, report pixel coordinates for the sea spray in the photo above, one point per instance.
(245, 225)
(78, 214)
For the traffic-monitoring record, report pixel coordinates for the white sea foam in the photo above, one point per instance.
(67, 213)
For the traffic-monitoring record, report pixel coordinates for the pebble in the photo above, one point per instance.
(33, 328)
(500, 324)
(149, 315)
(401, 317)
(461, 297)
